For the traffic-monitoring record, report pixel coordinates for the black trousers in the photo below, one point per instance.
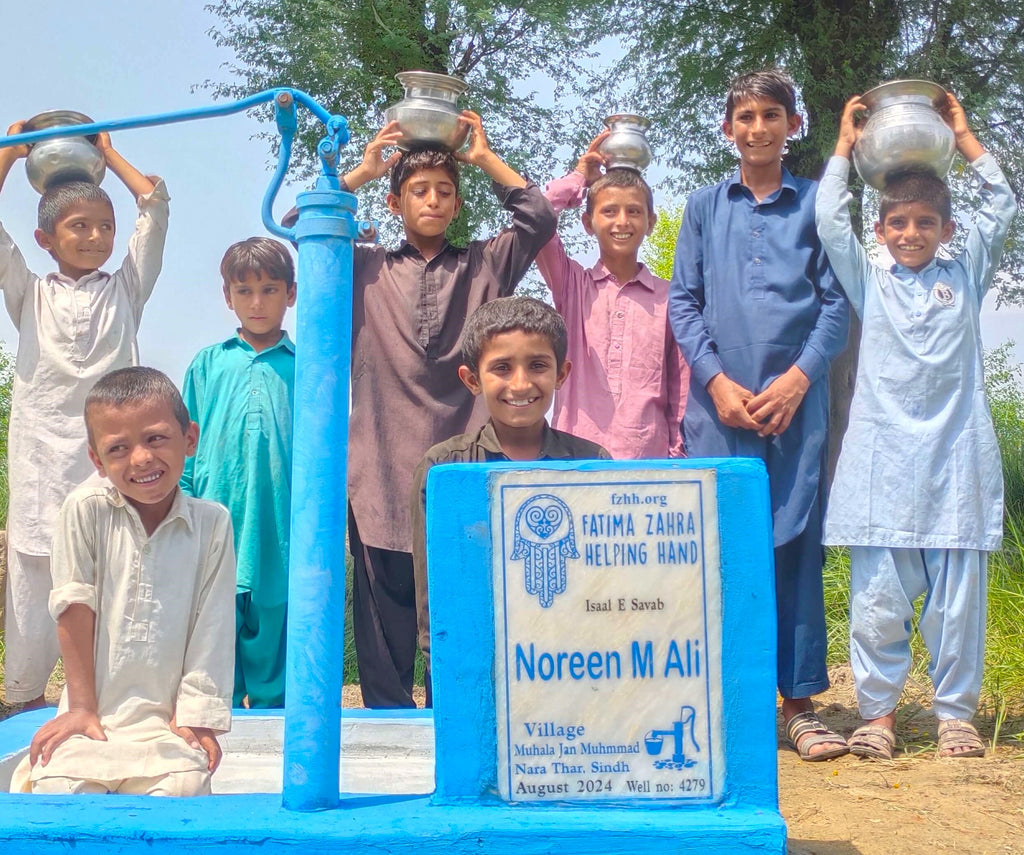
(384, 622)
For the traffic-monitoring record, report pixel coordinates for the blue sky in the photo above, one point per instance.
(119, 58)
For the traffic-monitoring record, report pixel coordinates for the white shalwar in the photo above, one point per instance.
(919, 475)
(70, 333)
(165, 631)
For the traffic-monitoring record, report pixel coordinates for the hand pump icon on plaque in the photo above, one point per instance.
(655, 741)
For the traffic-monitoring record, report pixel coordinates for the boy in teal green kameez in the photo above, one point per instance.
(240, 392)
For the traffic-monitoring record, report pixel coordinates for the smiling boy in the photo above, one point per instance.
(918, 489)
(142, 581)
(240, 392)
(408, 308)
(759, 316)
(73, 325)
(628, 388)
(514, 358)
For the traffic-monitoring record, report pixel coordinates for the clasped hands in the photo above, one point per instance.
(768, 413)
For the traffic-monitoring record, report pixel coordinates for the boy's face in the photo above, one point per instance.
(517, 375)
(620, 221)
(760, 128)
(82, 239)
(427, 203)
(260, 303)
(141, 448)
(912, 232)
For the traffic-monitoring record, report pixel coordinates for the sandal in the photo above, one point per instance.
(806, 730)
(873, 742)
(956, 733)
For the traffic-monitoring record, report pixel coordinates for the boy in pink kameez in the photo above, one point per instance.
(628, 388)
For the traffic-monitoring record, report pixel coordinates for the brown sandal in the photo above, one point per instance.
(956, 733)
(873, 742)
(805, 730)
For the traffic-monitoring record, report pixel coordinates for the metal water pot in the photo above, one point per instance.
(627, 144)
(904, 130)
(429, 113)
(61, 159)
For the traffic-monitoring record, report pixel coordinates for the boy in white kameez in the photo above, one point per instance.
(143, 595)
(74, 326)
(918, 489)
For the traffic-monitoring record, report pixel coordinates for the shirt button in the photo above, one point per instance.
(255, 391)
(620, 314)
(757, 261)
(617, 345)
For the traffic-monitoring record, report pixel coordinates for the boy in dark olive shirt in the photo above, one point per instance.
(514, 358)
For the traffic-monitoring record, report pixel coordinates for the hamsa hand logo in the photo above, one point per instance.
(544, 538)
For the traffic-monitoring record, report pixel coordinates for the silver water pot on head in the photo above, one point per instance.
(626, 145)
(428, 115)
(61, 159)
(904, 131)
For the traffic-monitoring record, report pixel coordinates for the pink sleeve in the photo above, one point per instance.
(678, 389)
(553, 262)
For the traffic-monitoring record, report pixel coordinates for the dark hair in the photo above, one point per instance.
(257, 255)
(620, 177)
(128, 386)
(59, 197)
(769, 84)
(915, 185)
(413, 161)
(506, 314)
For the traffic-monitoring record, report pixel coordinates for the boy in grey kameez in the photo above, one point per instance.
(918, 489)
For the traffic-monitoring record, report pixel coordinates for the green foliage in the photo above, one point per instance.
(659, 250)
(346, 53)
(1006, 401)
(681, 55)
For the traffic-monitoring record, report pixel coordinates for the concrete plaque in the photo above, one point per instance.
(608, 626)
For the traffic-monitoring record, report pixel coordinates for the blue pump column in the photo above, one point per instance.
(325, 233)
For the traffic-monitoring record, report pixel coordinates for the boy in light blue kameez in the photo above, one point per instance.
(918, 489)
(240, 392)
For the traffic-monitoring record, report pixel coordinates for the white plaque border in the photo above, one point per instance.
(532, 480)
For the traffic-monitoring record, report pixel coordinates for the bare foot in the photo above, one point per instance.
(795, 706)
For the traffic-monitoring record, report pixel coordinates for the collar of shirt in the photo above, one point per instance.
(406, 248)
(551, 446)
(74, 283)
(643, 276)
(237, 341)
(179, 509)
(736, 186)
(900, 270)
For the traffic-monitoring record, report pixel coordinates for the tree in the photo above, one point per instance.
(346, 53)
(659, 250)
(682, 54)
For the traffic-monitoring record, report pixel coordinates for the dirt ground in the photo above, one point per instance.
(913, 805)
(916, 804)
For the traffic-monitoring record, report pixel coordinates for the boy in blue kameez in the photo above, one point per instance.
(759, 316)
(918, 492)
(240, 392)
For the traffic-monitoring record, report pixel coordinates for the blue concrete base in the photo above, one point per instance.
(105, 825)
